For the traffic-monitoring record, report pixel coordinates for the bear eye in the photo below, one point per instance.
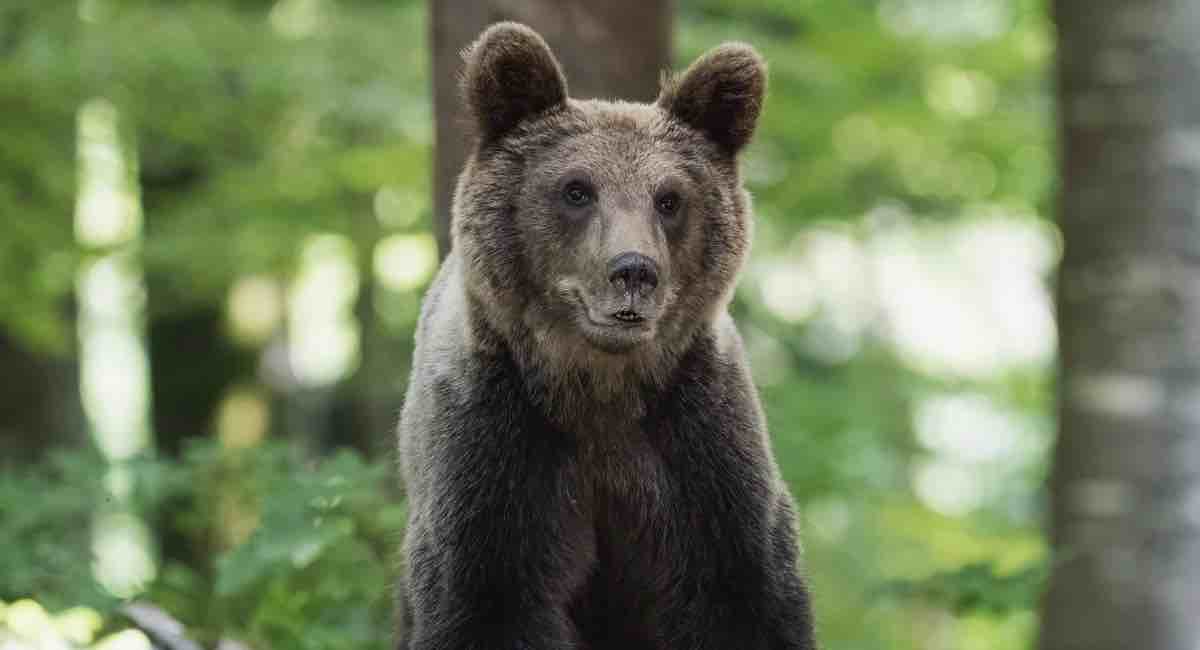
(577, 194)
(667, 204)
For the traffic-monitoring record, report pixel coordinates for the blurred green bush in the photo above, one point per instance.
(271, 548)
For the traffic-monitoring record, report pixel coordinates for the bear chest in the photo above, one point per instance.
(625, 497)
(628, 508)
(623, 482)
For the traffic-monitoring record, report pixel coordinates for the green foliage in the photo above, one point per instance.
(40, 89)
(302, 551)
(41, 510)
(316, 570)
(976, 587)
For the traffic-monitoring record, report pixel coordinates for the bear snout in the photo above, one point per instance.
(633, 273)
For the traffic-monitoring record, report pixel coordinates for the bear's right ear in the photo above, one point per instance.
(510, 74)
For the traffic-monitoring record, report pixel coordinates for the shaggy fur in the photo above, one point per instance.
(510, 75)
(575, 481)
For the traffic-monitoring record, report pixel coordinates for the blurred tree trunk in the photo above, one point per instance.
(39, 405)
(1126, 479)
(614, 49)
(192, 365)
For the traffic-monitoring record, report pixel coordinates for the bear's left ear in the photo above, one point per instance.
(721, 94)
(510, 74)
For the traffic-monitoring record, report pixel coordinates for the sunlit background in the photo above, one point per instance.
(216, 231)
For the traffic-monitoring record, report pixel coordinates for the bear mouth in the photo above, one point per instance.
(615, 331)
(628, 316)
(624, 319)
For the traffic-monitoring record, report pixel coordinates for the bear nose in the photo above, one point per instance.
(633, 273)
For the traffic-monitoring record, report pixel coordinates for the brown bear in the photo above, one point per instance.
(586, 460)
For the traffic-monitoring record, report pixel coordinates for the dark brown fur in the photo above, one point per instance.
(576, 482)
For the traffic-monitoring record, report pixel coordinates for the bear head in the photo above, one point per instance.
(602, 233)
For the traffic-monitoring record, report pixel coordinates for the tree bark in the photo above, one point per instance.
(612, 49)
(1125, 487)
